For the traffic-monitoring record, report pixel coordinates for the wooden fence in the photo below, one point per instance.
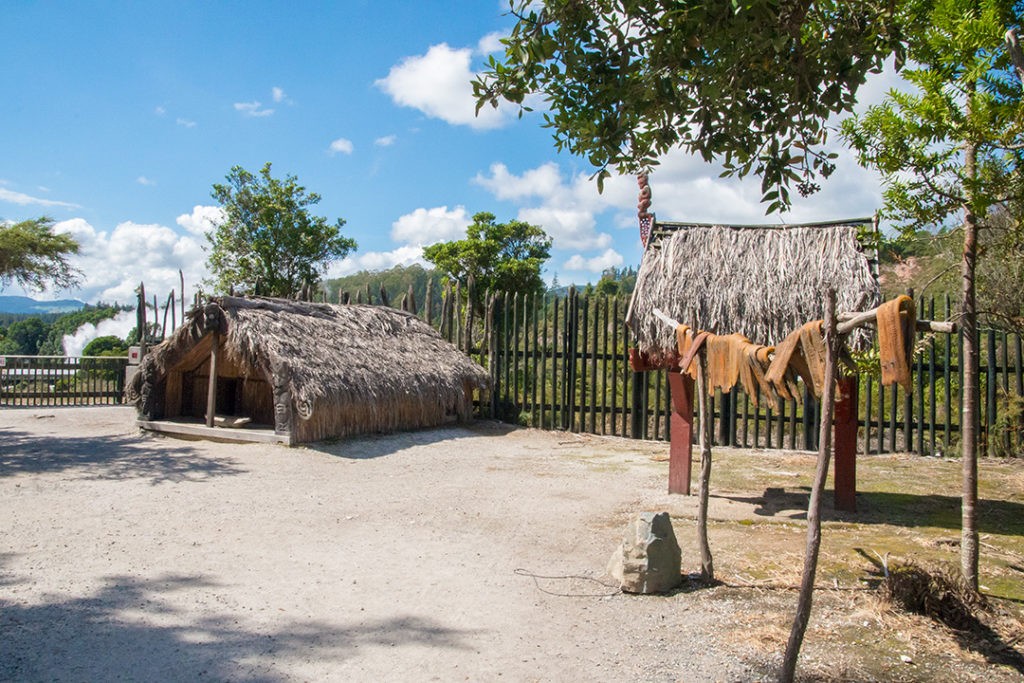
(560, 363)
(61, 381)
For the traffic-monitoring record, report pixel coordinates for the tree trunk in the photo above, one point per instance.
(803, 611)
(707, 566)
(969, 419)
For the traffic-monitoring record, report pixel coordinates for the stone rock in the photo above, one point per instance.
(648, 561)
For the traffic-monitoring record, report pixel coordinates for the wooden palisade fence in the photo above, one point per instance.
(61, 381)
(560, 362)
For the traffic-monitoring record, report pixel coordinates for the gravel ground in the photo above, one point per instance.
(405, 557)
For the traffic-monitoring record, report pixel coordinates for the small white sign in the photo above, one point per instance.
(134, 355)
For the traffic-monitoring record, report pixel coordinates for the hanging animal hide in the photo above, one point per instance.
(896, 328)
(802, 354)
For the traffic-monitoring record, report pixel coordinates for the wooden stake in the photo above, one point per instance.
(803, 611)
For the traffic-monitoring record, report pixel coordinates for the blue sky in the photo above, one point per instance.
(117, 118)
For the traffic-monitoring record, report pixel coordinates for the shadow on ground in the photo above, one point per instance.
(882, 507)
(382, 445)
(122, 632)
(109, 457)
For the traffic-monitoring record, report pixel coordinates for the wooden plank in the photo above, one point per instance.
(615, 367)
(866, 447)
(604, 369)
(211, 394)
(947, 384)
(990, 393)
(583, 371)
(190, 429)
(932, 408)
(845, 445)
(595, 319)
(515, 352)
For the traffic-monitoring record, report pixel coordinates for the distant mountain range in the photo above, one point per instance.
(27, 305)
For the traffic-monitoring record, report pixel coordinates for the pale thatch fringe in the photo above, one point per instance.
(349, 369)
(760, 282)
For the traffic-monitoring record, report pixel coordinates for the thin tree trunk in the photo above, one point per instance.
(707, 566)
(803, 611)
(969, 419)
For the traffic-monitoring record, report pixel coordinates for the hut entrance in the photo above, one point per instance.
(240, 391)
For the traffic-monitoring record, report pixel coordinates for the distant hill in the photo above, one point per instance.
(29, 306)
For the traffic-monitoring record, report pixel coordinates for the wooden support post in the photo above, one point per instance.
(211, 394)
(845, 436)
(681, 444)
(803, 612)
(707, 565)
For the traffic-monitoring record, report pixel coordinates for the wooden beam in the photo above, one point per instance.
(845, 439)
(850, 321)
(211, 394)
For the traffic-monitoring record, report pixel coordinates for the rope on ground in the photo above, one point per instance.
(537, 578)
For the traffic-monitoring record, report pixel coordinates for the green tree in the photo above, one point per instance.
(109, 345)
(506, 257)
(749, 83)
(26, 336)
(951, 152)
(33, 255)
(617, 281)
(269, 240)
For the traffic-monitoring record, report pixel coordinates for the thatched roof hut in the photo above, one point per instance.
(762, 281)
(310, 371)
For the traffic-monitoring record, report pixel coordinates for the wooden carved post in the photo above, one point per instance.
(428, 301)
(681, 426)
(211, 394)
(141, 320)
(803, 612)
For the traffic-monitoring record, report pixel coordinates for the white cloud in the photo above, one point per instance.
(185, 123)
(278, 94)
(490, 44)
(159, 111)
(545, 181)
(23, 199)
(386, 140)
(143, 180)
(341, 146)
(566, 210)
(427, 226)
(254, 109)
(439, 85)
(598, 264)
(115, 262)
(202, 219)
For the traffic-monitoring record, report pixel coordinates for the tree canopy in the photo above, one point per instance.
(748, 83)
(33, 255)
(952, 150)
(269, 240)
(505, 257)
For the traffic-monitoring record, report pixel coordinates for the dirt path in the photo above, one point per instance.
(403, 557)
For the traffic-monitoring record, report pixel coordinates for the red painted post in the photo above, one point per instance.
(845, 444)
(681, 444)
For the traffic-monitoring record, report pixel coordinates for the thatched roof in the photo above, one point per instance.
(761, 281)
(379, 366)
